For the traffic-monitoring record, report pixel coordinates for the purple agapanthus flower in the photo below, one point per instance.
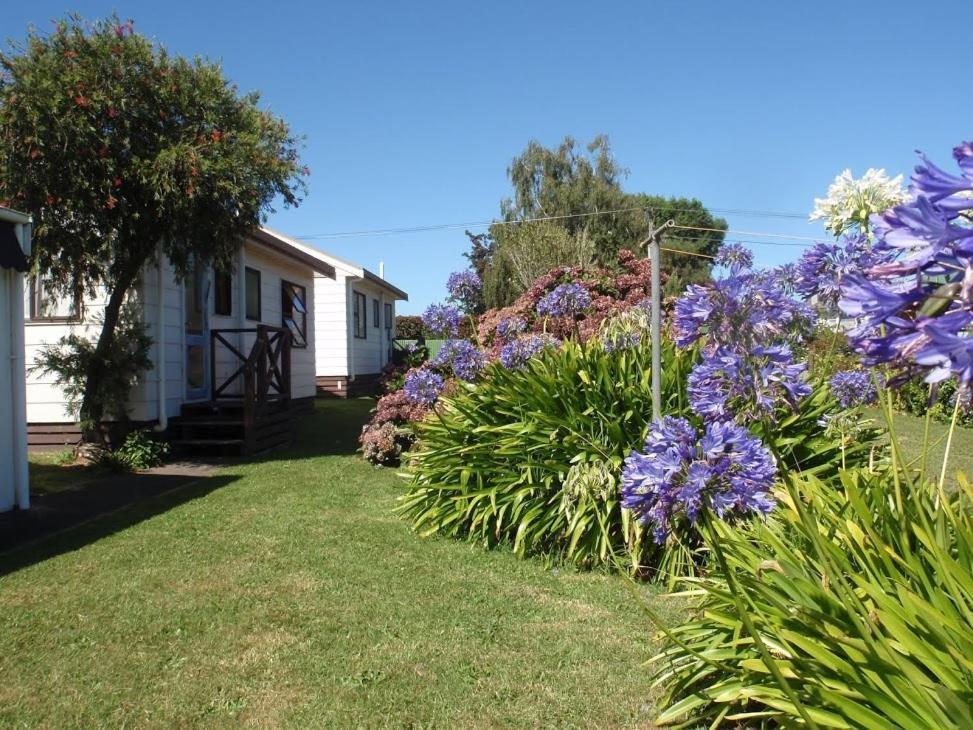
(515, 354)
(732, 385)
(741, 311)
(915, 310)
(853, 388)
(441, 320)
(423, 386)
(822, 268)
(465, 359)
(565, 300)
(622, 341)
(464, 288)
(735, 257)
(678, 474)
(510, 327)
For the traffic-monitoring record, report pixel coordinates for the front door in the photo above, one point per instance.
(197, 330)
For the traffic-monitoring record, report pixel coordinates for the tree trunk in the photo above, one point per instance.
(92, 408)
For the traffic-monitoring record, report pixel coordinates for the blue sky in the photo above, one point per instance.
(412, 111)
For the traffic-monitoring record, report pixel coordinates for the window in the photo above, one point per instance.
(388, 316)
(293, 309)
(253, 294)
(46, 306)
(360, 314)
(375, 310)
(223, 293)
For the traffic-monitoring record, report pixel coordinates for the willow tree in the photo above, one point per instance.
(578, 190)
(117, 148)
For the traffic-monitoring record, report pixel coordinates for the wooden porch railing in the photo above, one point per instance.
(265, 373)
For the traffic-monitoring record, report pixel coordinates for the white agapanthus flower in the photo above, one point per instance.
(850, 202)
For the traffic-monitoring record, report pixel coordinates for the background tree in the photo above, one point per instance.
(117, 148)
(579, 189)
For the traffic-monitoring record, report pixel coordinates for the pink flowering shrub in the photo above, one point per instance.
(388, 434)
(610, 292)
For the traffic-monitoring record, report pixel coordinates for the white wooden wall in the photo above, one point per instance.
(45, 399)
(331, 324)
(371, 353)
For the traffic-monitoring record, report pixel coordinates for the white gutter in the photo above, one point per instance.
(18, 374)
(160, 341)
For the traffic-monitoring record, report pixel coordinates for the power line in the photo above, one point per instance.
(745, 233)
(749, 242)
(483, 223)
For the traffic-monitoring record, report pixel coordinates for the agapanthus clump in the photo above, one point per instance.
(566, 300)
(852, 388)
(822, 268)
(729, 384)
(423, 386)
(515, 354)
(678, 474)
(510, 327)
(441, 320)
(915, 311)
(464, 288)
(463, 357)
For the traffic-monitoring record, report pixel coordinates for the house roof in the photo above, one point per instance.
(348, 266)
(283, 245)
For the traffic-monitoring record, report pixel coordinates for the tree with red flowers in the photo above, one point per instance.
(116, 148)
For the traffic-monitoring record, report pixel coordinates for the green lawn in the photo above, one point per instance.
(909, 431)
(285, 592)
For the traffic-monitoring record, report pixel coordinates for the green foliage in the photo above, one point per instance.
(140, 450)
(117, 147)
(918, 398)
(493, 467)
(71, 358)
(408, 327)
(593, 219)
(862, 600)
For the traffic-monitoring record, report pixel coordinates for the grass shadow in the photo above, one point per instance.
(65, 521)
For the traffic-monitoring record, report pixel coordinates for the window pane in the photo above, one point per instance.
(222, 294)
(253, 294)
(361, 314)
(48, 305)
(388, 316)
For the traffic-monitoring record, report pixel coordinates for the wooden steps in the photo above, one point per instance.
(220, 428)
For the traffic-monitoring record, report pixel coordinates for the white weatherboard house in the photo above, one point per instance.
(217, 346)
(355, 316)
(14, 252)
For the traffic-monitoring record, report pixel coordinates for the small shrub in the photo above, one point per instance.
(408, 327)
(389, 433)
(140, 450)
(382, 445)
